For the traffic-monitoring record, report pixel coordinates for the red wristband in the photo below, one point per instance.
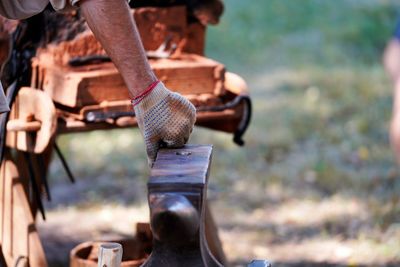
(136, 100)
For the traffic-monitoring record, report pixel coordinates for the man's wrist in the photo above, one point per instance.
(137, 99)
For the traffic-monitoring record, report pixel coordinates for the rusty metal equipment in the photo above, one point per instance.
(59, 80)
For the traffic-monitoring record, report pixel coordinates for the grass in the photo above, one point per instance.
(313, 32)
(317, 172)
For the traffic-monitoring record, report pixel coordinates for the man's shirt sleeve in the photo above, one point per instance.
(3, 101)
(21, 9)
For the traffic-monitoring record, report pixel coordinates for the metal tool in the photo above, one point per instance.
(101, 116)
(259, 263)
(246, 118)
(64, 163)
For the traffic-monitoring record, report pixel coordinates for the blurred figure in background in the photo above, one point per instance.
(391, 61)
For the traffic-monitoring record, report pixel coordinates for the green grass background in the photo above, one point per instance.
(322, 102)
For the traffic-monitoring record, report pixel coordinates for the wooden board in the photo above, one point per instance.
(18, 235)
(93, 84)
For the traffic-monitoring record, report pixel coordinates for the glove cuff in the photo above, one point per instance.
(152, 98)
(136, 100)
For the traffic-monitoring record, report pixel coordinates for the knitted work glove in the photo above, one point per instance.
(165, 119)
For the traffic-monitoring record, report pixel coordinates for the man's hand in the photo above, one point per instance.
(165, 119)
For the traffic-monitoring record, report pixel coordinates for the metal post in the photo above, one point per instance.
(110, 255)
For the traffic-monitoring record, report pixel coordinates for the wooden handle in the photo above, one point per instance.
(110, 255)
(23, 126)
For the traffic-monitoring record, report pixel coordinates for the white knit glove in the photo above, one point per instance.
(165, 119)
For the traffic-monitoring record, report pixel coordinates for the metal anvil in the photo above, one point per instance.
(177, 194)
(177, 199)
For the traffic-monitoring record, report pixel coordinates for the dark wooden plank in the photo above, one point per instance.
(189, 164)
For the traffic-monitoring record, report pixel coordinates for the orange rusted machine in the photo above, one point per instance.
(58, 80)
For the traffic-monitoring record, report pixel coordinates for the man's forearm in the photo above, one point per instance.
(114, 27)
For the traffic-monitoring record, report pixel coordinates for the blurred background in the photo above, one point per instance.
(316, 183)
